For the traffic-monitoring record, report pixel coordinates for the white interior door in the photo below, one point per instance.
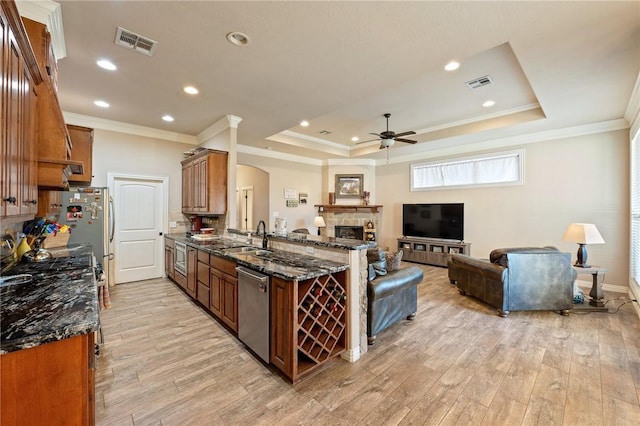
(246, 207)
(140, 211)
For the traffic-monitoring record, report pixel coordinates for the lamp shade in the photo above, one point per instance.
(318, 222)
(583, 233)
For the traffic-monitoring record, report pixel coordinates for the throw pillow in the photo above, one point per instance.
(393, 260)
(376, 258)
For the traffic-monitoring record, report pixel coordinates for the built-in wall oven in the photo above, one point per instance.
(180, 258)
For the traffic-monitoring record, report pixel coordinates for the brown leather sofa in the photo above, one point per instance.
(391, 295)
(517, 279)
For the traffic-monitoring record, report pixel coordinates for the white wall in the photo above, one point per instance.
(259, 180)
(283, 174)
(124, 153)
(580, 179)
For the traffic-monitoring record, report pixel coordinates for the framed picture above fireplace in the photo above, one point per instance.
(349, 186)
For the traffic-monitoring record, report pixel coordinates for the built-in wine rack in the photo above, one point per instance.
(321, 318)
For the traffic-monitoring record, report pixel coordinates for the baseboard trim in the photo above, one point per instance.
(606, 287)
(351, 355)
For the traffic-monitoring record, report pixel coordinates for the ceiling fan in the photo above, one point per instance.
(388, 138)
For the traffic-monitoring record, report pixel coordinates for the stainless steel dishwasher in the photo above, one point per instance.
(253, 311)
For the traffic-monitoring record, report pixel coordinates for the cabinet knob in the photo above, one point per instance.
(34, 202)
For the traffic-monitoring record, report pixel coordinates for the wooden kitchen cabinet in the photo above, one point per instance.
(308, 323)
(53, 143)
(20, 75)
(169, 259)
(204, 183)
(49, 203)
(224, 291)
(82, 142)
(49, 384)
(192, 270)
(203, 278)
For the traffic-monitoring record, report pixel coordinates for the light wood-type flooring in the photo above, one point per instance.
(166, 362)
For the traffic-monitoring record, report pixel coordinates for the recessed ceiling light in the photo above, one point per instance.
(355, 139)
(167, 118)
(106, 64)
(452, 66)
(488, 103)
(191, 90)
(237, 38)
(101, 104)
(304, 123)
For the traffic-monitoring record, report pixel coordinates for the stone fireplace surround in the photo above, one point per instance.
(344, 215)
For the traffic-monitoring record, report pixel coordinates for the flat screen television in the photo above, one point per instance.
(445, 221)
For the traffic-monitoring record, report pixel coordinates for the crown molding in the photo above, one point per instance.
(351, 162)
(132, 129)
(511, 141)
(244, 149)
(49, 13)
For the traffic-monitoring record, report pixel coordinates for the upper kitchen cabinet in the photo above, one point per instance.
(55, 163)
(82, 141)
(19, 77)
(204, 183)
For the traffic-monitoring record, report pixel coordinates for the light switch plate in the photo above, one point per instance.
(309, 250)
(173, 224)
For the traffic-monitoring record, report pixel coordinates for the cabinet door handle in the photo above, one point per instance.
(11, 200)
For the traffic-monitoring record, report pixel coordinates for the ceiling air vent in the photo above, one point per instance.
(324, 132)
(131, 40)
(479, 82)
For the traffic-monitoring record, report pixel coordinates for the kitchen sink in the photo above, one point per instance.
(248, 251)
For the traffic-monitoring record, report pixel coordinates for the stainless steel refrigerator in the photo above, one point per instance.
(89, 213)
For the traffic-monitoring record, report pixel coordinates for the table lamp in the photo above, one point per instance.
(318, 222)
(583, 234)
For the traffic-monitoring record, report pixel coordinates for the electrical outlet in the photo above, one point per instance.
(173, 224)
(309, 250)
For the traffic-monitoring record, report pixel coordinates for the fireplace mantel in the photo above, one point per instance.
(335, 208)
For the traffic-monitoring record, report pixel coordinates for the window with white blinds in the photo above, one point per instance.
(504, 168)
(635, 208)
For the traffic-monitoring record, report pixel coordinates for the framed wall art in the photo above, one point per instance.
(349, 186)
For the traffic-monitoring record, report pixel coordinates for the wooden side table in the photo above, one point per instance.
(596, 293)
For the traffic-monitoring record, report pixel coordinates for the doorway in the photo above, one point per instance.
(245, 207)
(140, 206)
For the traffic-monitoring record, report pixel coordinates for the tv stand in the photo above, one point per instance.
(431, 251)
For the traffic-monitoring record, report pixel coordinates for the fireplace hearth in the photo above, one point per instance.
(350, 232)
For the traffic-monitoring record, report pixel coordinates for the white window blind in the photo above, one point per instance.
(635, 208)
(495, 169)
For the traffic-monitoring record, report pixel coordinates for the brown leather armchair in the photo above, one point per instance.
(517, 279)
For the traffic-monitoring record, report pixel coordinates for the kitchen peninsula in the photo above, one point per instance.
(47, 340)
(314, 309)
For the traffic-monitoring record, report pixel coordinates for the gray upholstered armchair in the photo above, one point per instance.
(517, 279)
(392, 293)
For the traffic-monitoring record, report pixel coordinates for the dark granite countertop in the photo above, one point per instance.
(316, 240)
(283, 264)
(60, 302)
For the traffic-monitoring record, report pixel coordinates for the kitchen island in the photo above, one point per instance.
(47, 340)
(308, 297)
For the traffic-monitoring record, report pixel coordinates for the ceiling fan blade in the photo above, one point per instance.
(410, 132)
(376, 134)
(406, 140)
